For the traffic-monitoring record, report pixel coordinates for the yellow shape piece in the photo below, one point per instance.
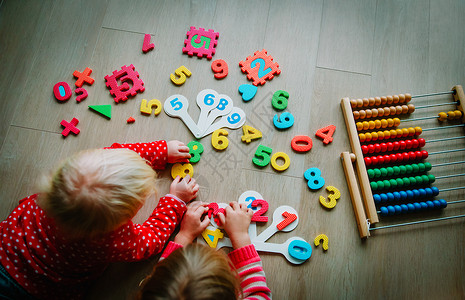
(216, 234)
(146, 108)
(274, 164)
(181, 73)
(182, 170)
(250, 133)
(332, 197)
(220, 142)
(324, 238)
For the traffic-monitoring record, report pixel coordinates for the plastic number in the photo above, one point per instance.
(220, 68)
(250, 133)
(146, 108)
(284, 121)
(300, 250)
(220, 142)
(182, 170)
(280, 99)
(258, 215)
(274, 164)
(212, 236)
(195, 150)
(315, 181)
(176, 104)
(62, 91)
(326, 133)
(297, 141)
(264, 153)
(180, 72)
(234, 118)
(261, 67)
(332, 197)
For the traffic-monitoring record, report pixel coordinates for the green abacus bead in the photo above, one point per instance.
(406, 181)
(383, 172)
(396, 170)
(409, 169)
(431, 178)
(371, 173)
(415, 168)
(425, 178)
(419, 179)
(374, 185)
(380, 185)
(402, 169)
(413, 181)
(386, 183)
(393, 183)
(422, 167)
(400, 182)
(390, 171)
(428, 166)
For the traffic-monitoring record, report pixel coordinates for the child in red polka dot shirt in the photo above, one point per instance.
(56, 242)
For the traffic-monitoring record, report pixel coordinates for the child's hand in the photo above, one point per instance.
(185, 189)
(191, 224)
(236, 223)
(177, 152)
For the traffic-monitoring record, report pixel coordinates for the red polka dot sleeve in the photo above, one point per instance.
(155, 152)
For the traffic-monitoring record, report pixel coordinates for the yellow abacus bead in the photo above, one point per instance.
(401, 98)
(395, 99)
(377, 101)
(359, 126)
(368, 137)
(386, 134)
(418, 130)
(371, 125)
(396, 122)
(366, 125)
(362, 114)
(383, 100)
(359, 103)
(389, 99)
(405, 132)
(353, 103)
(356, 115)
(362, 137)
(377, 124)
(374, 136)
(390, 122)
(371, 101)
(404, 109)
(411, 131)
(442, 116)
(365, 102)
(408, 97)
(368, 113)
(399, 132)
(450, 115)
(411, 108)
(398, 110)
(392, 134)
(374, 112)
(458, 114)
(384, 123)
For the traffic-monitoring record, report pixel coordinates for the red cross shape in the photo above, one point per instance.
(70, 127)
(83, 77)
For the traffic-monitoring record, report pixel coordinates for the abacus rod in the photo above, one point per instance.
(433, 94)
(452, 189)
(446, 139)
(417, 222)
(455, 202)
(448, 163)
(449, 176)
(437, 104)
(419, 119)
(444, 127)
(445, 151)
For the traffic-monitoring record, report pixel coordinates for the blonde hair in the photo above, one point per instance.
(97, 191)
(195, 272)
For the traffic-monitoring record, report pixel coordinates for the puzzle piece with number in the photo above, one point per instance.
(260, 67)
(285, 219)
(212, 106)
(201, 42)
(123, 91)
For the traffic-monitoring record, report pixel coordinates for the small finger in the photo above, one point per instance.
(183, 148)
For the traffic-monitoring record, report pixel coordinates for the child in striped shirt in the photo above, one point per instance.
(195, 271)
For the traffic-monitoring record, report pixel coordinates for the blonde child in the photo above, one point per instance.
(57, 241)
(195, 271)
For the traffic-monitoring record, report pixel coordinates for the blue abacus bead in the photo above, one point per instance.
(417, 206)
(422, 193)
(429, 192)
(377, 198)
(384, 198)
(416, 193)
(411, 207)
(384, 211)
(404, 208)
(424, 206)
(391, 210)
(430, 204)
(443, 203)
(435, 190)
(398, 209)
(390, 197)
(409, 194)
(403, 195)
(437, 204)
(396, 196)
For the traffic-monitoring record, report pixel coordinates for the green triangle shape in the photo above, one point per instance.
(102, 109)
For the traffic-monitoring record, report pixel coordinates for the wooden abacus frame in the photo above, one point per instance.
(365, 211)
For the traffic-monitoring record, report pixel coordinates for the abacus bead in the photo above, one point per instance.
(424, 154)
(405, 132)
(386, 159)
(411, 207)
(399, 132)
(365, 101)
(401, 98)
(390, 171)
(402, 169)
(396, 122)
(403, 195)
(374, 185)
(422, 193)
(365, 125)
(417, 206)
(418, 155)
(383, 172)
(406, 181)
(442, 116)
(404, 208)
(421, 142)
(362, 137)
(396, 170)
(391, 210)
(371, 101)
(356, 115)
(428, 166)
(390, 197)
(359, 126)
(377, 148)
(393, 183)
(435, 190)
(380, 112)
(416, 193)
(362, 114)
(392, 134)
(421, 167)
(384, 211)
(386, 184)
(365, 149)
(415, 168)
(374, 112)
(458, 114)
(400, 182)
(389, 99)
(398, 110)
(420, 179)
(377, 198)
(443, 203)
(450, 115)
(390, 122)
(413, 181)
(393, 110)
(377, 124)
(429, 192)
(377, 173)
(383, 198)
(374, 160)
(395, 99)
(430, 204)
(374, 136)
(387, 111)
(368, 137)
(398, 209)
(377, 101)
(383, 100)
(367, 161)
(409, 169)
(405, 156)
(368, 113)
(415, 143)
(384, 123)
(424, 206)
(371, 173)
(425, 178)
(393, 158)
(431, 178)
(404, 109)
(383, 147)
(408, 97)
(418, 130)
(411, 108)
(359, 103)
(396, 196)
(353, 103)
(437, 204)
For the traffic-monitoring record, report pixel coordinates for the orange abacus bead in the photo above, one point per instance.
(359, 126)
(401, 98)
(377, 101)
(408, 97)
(398, 110)
(411, 131)
(395, 99)
(362, 114)
(374, 136)
(374, 113)
(368, 113)
(353, 103)
(411, 108)
(384, 123)
(368, 136)
(442, 116)
(404, 109)
(356, 115)
(450, 115)
(377, 124)
(371, 101)
(365, 102)
(389, 99)
(405, 132)
(383, 100)
(361, 137)
(458, 114)
(359, 103)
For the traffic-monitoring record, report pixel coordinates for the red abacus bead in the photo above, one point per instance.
(396, 145)
(383, 147)
(402, 145)
(405, 156)
(364, 149)
(393, 158)
(374, 160)
(424, 154)
(415, 143)
(390, 146)
(408, 144)
(422, 142)
(376, 148)
(400, 157)
(418, 154)
(387, 159)
(367, 161)
(380, 159)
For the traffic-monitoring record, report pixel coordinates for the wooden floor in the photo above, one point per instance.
(326, 50)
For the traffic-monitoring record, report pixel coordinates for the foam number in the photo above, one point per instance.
(62, 91)
(212, 236)
(288, 219)
(335, 195)
(300, 250)
(200, 41)
(82, 94)
(315, 181)
(324, 238)
(280, 99)
(177, 106)
(219, 139)
(247, 198)
(250, 133)
(281, 214)
(262, 72)
(182, 170)
(146, 108)
(179, 76)
(220, 68)
(326, 133)
(262, 156)
(296, 250)
(207, 100)
(284, 121)
(235, 119)
(301, 143)
(195, 150)
(258, 215)
(285, 157)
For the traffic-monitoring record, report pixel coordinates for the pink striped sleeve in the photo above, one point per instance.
(249, 267)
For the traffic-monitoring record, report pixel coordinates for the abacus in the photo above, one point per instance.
(390, 163)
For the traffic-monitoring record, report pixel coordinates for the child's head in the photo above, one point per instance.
(195, 272)
(97, 191)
